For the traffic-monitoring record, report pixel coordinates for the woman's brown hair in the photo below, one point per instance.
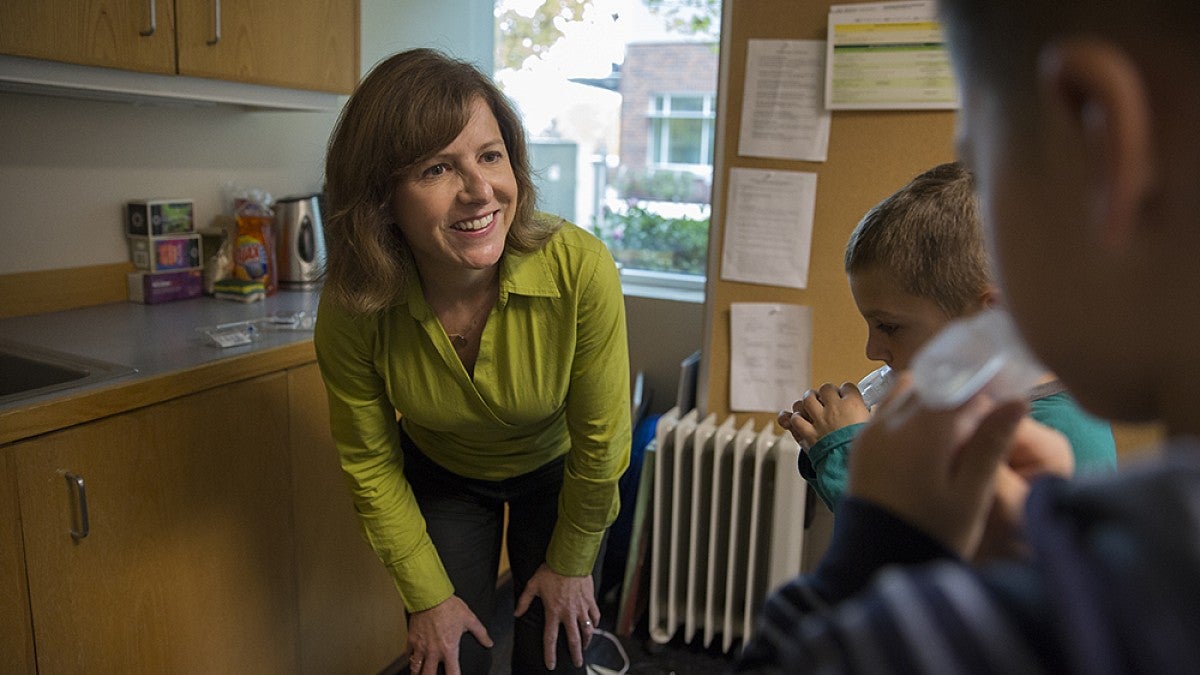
(410, 106)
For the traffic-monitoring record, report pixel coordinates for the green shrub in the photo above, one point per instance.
(642, 239)
(662, 185)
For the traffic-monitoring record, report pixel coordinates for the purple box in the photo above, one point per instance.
(152, 288)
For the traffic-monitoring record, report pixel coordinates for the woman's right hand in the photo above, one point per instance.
(434, 634)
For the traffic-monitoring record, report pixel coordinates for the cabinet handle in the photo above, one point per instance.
(153, 21)
(76, 482)
(216, 23)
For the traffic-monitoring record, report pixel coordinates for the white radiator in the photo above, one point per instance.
(728, 526)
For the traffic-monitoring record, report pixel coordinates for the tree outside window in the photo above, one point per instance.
(618, 98)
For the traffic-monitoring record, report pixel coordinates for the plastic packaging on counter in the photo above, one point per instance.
(239, 333)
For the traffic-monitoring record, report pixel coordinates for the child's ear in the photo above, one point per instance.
(1100, 95)
(990, 297)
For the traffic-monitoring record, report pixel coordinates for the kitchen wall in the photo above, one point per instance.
(67, 166)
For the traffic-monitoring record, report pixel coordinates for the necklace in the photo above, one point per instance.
(460, 340)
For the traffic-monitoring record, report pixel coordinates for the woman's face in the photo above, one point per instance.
(455, 208)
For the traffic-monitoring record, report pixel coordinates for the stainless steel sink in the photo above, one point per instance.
(27, 371)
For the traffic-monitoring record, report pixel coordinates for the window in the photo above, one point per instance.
(681, 131)
(619, 101)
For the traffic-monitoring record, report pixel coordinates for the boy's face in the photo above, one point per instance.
(898, 322)
(1031, 167)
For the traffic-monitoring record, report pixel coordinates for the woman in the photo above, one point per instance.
(497, 336)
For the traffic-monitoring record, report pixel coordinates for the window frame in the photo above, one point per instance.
(707, 115)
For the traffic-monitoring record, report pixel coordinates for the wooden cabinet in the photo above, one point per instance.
(302, 44)
(16, 631)
(184, 562)
(351, 616)
(209, 533)
(127, 34)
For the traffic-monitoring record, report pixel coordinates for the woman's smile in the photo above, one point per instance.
(476, 224)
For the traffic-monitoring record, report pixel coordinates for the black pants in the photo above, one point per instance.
(465, 520)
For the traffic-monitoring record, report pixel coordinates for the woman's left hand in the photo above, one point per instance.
(569, 602)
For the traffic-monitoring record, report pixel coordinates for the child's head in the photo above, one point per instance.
(1079, 122)
(916, 261)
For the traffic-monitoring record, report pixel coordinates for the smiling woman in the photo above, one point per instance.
(498, 335)
(455, 208)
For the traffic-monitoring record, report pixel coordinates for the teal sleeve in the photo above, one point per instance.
(824, 464)
(1090, 437)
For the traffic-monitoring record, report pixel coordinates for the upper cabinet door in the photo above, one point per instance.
(303, 44)
(127, 34)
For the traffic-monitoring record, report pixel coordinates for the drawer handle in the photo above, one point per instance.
(153, 21)
(76, 484)
(216, 23)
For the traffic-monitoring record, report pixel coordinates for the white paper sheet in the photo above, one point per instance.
(783, 107)
(888, 55)
(768, 227)
(770, 354)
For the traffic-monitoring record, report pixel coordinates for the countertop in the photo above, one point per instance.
(172, 357)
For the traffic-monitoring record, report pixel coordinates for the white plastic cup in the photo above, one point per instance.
(982, 353)
(876, 384)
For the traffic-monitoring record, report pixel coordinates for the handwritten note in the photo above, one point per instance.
(770, 355)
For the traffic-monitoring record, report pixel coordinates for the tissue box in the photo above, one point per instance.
(156, 217)
(149, 288)
(164, 254)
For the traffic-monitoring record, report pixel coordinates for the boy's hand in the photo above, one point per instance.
(936, 469)
(824, 410)
(1037, 451)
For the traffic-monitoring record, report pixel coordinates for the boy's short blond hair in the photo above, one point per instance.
(928, 234)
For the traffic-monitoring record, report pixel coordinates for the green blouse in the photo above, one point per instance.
(551, 378)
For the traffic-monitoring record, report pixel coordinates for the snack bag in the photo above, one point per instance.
(254, 249)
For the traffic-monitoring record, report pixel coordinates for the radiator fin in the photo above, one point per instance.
(727, 526)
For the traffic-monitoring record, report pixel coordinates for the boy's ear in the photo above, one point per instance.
(1099, 93)
(990, 297)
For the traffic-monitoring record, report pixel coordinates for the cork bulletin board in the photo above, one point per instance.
(871, 154)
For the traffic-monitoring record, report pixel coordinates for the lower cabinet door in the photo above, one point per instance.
(351, 616)
(161, 540)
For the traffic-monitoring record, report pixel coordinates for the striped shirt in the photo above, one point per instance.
(1112, 586)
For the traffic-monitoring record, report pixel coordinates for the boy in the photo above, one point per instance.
(915, 262)
(1079, 120)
